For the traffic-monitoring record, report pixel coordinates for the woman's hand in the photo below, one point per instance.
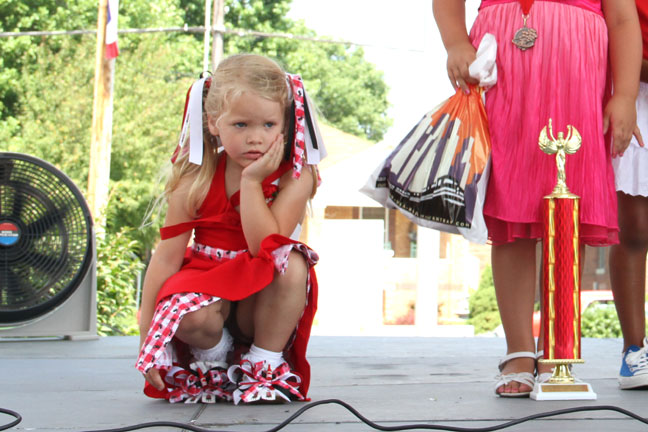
(460, 56)
(620, 118)
(266, 164)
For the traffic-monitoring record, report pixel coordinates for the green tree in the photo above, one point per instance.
(117, 270)
(147, 121)
(149, 93)
(600, 322)
(484, 314)
(350, 93)
(20, 52)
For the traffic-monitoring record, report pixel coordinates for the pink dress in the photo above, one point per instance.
(563, 78)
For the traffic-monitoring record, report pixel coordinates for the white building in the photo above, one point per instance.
(377, 269)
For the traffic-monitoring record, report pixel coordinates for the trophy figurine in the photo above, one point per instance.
(561, 278)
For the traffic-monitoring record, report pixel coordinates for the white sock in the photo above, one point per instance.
(256, 354)
(216, 353)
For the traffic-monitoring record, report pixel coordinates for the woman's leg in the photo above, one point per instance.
(514, 275)
(628, 268)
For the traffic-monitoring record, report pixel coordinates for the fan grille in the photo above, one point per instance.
(45, 237)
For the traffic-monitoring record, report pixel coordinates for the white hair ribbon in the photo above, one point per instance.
(193, 123)
(195, 114)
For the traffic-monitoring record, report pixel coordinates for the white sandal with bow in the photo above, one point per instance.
(526, 378)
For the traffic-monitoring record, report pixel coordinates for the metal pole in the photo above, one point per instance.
(207, 35)
(219, 27)
(101, 134)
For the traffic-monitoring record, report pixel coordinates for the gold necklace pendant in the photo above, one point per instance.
(525, 37)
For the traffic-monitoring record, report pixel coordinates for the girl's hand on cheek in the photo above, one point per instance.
(264, 166)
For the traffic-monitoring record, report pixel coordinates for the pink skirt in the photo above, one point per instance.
(563, 77)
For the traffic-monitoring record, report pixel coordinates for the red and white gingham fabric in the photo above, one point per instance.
(166, 320)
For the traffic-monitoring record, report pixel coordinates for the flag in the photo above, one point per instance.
(112, 50)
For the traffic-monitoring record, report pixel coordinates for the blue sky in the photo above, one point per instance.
(406, 46)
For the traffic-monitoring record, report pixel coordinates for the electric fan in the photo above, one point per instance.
(47, 256)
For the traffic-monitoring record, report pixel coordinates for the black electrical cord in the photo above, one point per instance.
(13, 414)
(362, 418)
(365, 420)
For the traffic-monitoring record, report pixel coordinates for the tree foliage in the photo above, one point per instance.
(19, 53)
(55, 125)
(600, 323)
(118, 268)
(484, 313)
(350, 93)
(143, 142)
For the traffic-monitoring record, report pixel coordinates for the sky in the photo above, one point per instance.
(405, 45)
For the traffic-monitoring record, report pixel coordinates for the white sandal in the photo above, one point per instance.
(526, 378)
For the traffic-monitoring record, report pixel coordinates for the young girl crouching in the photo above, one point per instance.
(229, 317)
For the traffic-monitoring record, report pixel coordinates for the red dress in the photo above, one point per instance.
(218, 265)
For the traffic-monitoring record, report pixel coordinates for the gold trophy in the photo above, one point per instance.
(561, 278)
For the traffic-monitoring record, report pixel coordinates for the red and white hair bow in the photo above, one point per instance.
(307, 139)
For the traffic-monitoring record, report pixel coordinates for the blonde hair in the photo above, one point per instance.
(234, 76)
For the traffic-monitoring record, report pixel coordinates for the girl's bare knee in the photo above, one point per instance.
(207, 318)
(192, 321)
(296, 273)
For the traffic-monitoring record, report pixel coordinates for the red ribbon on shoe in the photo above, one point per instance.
(207, 382)
(261, 382)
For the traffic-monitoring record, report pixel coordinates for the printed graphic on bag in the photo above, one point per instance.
(434, 172)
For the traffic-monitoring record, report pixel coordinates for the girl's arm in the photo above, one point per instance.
(620, 114)
(450, 16)
(167, 257)
(259, 220)
(166, 261)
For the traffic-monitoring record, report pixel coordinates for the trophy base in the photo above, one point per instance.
(562, 391)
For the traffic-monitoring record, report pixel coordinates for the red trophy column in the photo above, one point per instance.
(561, 278)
